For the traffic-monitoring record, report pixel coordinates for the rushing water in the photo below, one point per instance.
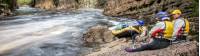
(47, 34)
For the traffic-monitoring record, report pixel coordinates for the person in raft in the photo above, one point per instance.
(160, 34)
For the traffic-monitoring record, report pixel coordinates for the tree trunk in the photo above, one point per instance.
(33, 3)
(13, 5)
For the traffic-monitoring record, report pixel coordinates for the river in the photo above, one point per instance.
(47, 34)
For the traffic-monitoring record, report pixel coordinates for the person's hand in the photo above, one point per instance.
(173, 39)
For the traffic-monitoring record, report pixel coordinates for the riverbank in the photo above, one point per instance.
(99, 41)
(185, 49)
(58, 30)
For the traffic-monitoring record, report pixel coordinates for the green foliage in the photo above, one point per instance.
(5, 3)
(24, 2)
(195, 8)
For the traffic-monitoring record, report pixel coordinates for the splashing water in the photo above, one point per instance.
(57, 34)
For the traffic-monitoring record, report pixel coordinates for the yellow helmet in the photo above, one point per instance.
(177, 11)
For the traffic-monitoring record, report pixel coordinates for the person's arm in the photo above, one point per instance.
(144, 31)
(178, 24)
(156, 29)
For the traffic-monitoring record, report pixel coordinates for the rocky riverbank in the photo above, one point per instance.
(146, 9)
(4, 11)
(104, 44)
(68, 4)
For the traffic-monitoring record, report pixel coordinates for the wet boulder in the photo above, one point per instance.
(98, 34)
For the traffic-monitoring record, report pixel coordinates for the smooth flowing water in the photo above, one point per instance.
(47, 34)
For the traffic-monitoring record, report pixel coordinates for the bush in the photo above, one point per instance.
(24, 2)
(195, 8)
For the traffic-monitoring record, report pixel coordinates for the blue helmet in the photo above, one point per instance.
(141, 22)
(161, 14)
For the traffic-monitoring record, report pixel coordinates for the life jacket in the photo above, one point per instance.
(168, 31)
(186, 27)
(165, 33)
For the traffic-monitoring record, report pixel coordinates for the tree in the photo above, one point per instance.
(13, 4)
(9, 4)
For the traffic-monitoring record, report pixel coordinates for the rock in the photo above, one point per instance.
(98, 34)
(194, 25)
(109, 47)
(144, 8)
(67, 4)
(44, 4)
(88, 3)
(91, 3)
(55, 4)
(180, 49)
